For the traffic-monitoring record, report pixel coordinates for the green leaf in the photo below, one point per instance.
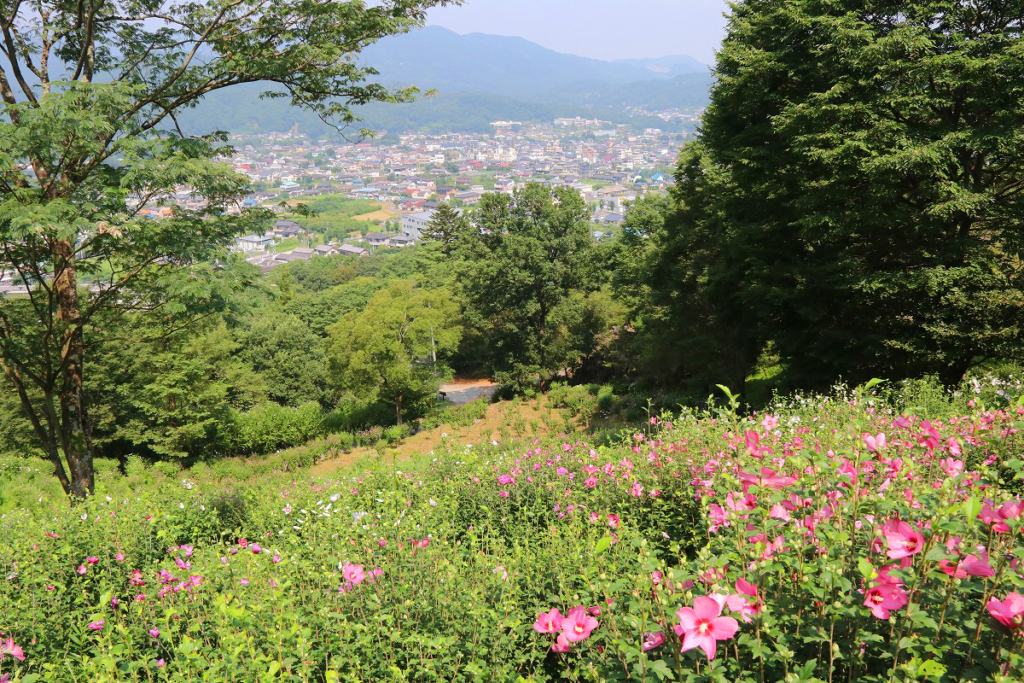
(603, 545)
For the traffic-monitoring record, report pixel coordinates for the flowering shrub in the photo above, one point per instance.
(832, 540)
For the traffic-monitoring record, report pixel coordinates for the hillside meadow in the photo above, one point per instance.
(825, 539)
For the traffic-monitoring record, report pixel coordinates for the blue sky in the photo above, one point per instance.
(604, 29)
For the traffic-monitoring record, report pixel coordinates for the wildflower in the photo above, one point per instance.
(883, 598)
(97, 625)
(353, 573)
(702, 626)
(613, 521)
(82, 569)
(501, 570)
(154, 633)
(276, 558)
(590, 482)
(952, 467)
(160, 663)
(903, 539)
(244, 582)
(745, 601)
(766, 479)
(1008, 612)
(653, 640)
(656, 578)
(561, 644)
(577, 624)
(874, 443)
(7, 647)
(119, 557)
(548, 622)
(256, 548)
(971, 565)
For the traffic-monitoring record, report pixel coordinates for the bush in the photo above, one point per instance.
(271, 426)
(832, 537)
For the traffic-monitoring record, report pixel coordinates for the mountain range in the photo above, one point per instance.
(479, 78)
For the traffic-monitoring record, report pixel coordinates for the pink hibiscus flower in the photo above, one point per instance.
(903, 539)
(702, 626)
(353, 573)
(7, 647)
(1008, 612)
(578, 624)
(548, 622)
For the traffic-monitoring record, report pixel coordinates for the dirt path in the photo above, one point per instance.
(462, 391)
(507, 422)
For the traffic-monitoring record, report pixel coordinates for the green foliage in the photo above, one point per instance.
(288, 356)
(390, 352)
(533, 254)
(464, 547)
(446, 227)
(272, 426)
(853, 198)
(91, 139)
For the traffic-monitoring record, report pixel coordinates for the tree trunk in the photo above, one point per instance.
(75, 430)
(398, 409)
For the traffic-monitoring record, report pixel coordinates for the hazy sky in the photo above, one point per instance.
(605, 29)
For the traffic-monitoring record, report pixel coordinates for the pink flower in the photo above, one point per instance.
(745, 601)
(256, 548)
(82, 569)
(276, 558)
(577, 624)
(7, 647)
(119, 557)
(702, 626)
(160, 663)
(92, 560)
(885, 595)
(874, 443)
(1008, 612)
(97, 625)
(561, 644)
(590, 482)
(766, 479)
(656, 578)
(653, 640)
(353, 573)
(613, 520)
(971, 565)
(903, 539)
(548, 622)
(154, 632)
(952, 467)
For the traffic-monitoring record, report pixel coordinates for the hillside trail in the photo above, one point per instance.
(511, 422)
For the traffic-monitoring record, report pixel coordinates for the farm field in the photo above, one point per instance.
(824, 539)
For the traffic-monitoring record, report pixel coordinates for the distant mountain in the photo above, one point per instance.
(479, 78)
(435, 57)
(668, 66)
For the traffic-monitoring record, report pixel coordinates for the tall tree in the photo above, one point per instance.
(535, 250)
(446, 226)
(394, 350)
(870, 211)
(88, 137)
